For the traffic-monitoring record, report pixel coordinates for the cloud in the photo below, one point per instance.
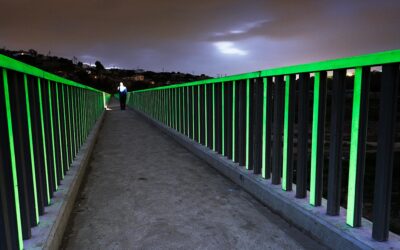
(184, 35)
(229, 48)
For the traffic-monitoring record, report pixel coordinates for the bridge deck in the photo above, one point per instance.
(145, 191)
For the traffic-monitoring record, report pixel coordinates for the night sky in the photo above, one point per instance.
(201, 36)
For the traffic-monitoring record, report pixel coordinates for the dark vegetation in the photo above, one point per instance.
(98, 76)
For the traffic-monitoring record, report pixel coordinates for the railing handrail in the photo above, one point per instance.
(15, 65)
(374, 59)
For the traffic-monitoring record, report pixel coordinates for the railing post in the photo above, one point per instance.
(188, 111)
(16, 226)
(234, 121)
(228, 119)
(302, 142)
(247, 126)
(289, 111)
(242, 123)
(223, 153)
(278, 129)
(317, 138)
(205, 116)
(335, 148)
(257, 132)
(193, 115)
(384, 156)
(43, 143)
(266, 127)
(357, 147)
(34, 191)
(37, 146)
(199, 121)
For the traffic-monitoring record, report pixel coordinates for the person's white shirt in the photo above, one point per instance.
(121, 88)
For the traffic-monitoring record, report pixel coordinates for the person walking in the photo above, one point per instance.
(122, 91)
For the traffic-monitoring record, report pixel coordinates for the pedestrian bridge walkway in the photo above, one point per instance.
(145, 191)
(317, 144)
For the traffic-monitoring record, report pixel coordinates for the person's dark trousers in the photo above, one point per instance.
(122, 101)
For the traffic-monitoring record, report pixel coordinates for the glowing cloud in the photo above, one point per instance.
(229, 48)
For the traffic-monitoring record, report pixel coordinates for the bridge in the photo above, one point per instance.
(256, 160)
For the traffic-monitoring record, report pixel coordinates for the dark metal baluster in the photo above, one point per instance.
(37, 144)
(278, 129)
(228, 120)
(21, 149)
(241, 142)
(8, 227)
(335, 148)
(287, 166)
(267, 126)
(384, 157)
(257, 125)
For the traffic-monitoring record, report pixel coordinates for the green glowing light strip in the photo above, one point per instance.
(70, 117)
(264, 128)
(183, 111)
(213, 114)
(247, 122)
(84, 108)
(163, 102)
(166, 107)
(286, 133)
(188, 110)
(73, 105)
(193, 111)
(342, 63)
(81, 118)
(31, 151)
(12, 64)
(198, 113)
(159, 106)
(179, 111)
(59, 132)
(78, 119)
(355, 124)
(156, 108)
(175, 110)
(233, 118)
(65, 126)
(314, 139)
(171, 109)
(223, 117)
(205, 116)
(250, 75)
(45, 160)
(52, 136)
(13, 161)
(375, 59)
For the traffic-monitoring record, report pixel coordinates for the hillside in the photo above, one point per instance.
(97, 75)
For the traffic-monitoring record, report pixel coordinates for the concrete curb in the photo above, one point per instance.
(332, 231)
(49, 233)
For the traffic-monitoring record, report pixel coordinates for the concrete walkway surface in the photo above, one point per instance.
(145, 191)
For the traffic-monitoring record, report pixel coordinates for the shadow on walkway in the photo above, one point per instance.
(145, 191)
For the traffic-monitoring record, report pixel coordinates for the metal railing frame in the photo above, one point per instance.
(44, 120)
(234, 118)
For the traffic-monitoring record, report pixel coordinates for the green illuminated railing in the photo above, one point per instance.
(44, 119)
(252, 119)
